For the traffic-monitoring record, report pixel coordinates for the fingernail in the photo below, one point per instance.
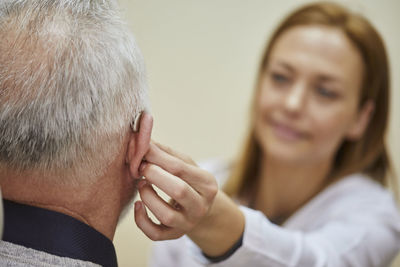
(141, 184)
(142, 166)
(138, 205)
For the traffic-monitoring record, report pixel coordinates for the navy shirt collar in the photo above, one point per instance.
(56, 233)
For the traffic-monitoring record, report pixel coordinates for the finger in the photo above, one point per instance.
(177, 189)
(197, 178)
(162, 210)
(152, 230)
(175, 153)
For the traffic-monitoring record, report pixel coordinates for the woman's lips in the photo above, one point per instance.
(287, 133)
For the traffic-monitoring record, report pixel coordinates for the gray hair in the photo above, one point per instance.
(71, 80)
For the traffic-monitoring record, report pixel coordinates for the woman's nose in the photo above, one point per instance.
(296, 98)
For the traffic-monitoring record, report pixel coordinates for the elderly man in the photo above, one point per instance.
(72, 82)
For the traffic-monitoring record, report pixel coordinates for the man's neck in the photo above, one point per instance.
(96, 204)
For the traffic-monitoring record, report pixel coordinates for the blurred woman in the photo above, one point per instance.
(309, 184)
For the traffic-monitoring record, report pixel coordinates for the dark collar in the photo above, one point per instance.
(56, 233)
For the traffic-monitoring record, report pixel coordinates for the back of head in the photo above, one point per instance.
(71, 81)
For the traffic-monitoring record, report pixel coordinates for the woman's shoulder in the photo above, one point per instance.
(353, 187)
(358, 186)
(354, 197)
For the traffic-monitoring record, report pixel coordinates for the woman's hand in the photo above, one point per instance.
(191, 189)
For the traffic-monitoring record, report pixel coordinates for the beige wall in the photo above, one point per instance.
(201, 59)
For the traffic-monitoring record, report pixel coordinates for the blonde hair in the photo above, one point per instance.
(367, 155)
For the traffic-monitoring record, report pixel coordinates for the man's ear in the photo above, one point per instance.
(361, 122)
(139, 144)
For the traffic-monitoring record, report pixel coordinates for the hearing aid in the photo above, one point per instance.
(135, 123)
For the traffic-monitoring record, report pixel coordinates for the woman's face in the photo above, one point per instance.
(309, 95)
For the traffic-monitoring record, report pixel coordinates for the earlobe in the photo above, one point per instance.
(139, 143)
(362, 121)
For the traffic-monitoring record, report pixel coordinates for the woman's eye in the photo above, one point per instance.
(279, 78)
(326, 93)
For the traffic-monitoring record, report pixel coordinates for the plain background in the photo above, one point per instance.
(201, 58)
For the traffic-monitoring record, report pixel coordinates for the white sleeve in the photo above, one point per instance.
(338, 243)
(168, 253)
